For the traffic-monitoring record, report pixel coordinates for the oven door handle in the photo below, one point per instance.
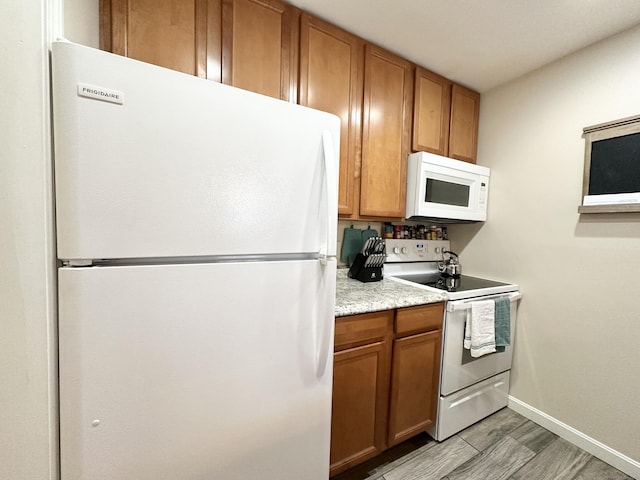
(460, 306)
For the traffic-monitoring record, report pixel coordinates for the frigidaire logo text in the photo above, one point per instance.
(101, 93)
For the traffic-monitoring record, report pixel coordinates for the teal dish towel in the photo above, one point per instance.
(503, 322)
(351, 245)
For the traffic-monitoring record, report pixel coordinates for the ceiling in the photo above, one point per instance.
(479, 43)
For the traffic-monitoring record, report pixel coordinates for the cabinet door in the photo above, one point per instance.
(331, 76)
(432, 108)
(387, 109)
(183, 35)
(414, 385)
(360, 400)
(463, 135)
(258, 47)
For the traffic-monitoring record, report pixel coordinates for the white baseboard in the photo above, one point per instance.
(579, 439)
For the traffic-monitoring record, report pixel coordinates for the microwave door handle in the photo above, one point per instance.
(330, 176)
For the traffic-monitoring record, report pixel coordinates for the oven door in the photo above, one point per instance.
(459, 368)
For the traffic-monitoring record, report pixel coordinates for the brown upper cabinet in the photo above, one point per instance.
(259, 47)
(272, 48)
(445, 117)
(331, 79)
(250, 44)
(465, 113)
(183, 35)
(386, 133)
(371, 90)
(432, 110)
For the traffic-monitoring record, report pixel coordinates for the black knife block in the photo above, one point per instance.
(362, 273)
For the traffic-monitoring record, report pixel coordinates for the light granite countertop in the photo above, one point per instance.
(354, 296)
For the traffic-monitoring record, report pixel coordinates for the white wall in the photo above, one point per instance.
(577, 344)
(28, 376)
(28, 423)
(81, 20)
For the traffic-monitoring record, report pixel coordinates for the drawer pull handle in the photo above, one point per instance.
(476, 394)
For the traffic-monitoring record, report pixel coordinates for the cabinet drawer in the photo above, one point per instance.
(360, 329)
(419, 319)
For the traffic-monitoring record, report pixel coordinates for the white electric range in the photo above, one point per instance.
(470, 388)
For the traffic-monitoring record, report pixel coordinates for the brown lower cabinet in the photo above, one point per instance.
(385, 381)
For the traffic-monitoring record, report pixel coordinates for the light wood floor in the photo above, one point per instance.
(503, 446)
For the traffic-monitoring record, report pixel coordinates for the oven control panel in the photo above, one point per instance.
(415, 250)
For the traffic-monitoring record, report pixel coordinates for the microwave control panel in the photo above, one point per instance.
(415, 250)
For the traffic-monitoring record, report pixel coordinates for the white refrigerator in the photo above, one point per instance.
(196, 237)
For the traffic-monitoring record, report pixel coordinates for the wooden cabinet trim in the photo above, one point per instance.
(105, 25)
(209, 31)
(227, 42)
(292, 82)
(113, 28)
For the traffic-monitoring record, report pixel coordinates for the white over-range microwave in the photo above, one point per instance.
(446, 190)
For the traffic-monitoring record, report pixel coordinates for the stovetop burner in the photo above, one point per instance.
(451, 284)
(415, 262)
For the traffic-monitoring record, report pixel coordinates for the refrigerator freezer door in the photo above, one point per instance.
(182, 166)
(206, 371)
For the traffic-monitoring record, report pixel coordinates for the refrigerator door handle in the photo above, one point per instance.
(330, 176)
(325, 325)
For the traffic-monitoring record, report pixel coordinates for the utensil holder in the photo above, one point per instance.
(362, 273)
